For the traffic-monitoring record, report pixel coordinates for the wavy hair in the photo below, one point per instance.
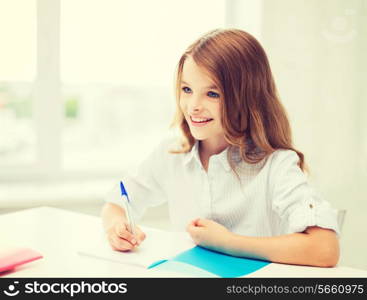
(254, 120)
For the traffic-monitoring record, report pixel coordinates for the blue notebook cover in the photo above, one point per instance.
(216, 263)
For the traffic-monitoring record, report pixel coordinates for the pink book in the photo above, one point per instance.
(10, 258)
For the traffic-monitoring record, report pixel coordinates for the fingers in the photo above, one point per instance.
(194, 222)
(202, 222)
(192, 225)
(140, 235)
(198, 229)
(199, 222)
(122, 232)
(119, 244)
(121, 239)
(195, 233)
(192, 229)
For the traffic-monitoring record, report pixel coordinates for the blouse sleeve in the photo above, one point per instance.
(297, 204)
(143, 185)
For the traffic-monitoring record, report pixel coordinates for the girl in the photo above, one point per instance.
(235, 180)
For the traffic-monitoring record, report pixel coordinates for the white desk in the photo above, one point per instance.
(58, 234)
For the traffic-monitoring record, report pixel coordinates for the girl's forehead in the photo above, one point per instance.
(194, 74)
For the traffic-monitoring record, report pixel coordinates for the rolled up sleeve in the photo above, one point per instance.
(297, 204)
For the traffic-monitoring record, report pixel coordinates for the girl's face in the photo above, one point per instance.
(200, 103)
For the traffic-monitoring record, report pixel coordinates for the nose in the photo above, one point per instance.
(195, 105)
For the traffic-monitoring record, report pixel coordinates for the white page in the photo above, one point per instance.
(157, 245)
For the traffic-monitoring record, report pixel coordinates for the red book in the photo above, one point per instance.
(10, 258)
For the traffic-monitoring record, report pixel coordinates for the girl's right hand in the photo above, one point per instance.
(121, 239)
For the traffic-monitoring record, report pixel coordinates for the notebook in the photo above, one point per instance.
(157, 245)
(13, 257)
(175, 251)
(215, 263)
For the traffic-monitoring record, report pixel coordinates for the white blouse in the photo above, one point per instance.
(272, 198)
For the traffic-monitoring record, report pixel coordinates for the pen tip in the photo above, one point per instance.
(123, 191)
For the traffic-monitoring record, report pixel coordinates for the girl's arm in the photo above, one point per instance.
(313, 247)
(111, 213)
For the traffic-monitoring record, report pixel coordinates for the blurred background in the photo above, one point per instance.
(86, 90)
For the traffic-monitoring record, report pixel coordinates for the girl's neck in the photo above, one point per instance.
(211, 147)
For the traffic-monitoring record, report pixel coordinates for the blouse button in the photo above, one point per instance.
(311, 206)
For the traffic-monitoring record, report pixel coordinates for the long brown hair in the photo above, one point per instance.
(254, 120)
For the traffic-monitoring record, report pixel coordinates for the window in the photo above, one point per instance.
(17, 74)
(117, 64)
(103, 79)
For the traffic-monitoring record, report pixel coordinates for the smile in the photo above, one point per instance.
(198, 122)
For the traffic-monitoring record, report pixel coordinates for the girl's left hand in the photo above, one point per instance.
(209, 234)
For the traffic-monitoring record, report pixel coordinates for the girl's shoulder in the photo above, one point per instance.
(277, 156)
(283, 159)
(281, 154)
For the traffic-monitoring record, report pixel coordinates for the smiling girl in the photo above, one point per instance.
(234, 181)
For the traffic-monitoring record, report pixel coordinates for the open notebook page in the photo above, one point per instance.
(157, 245)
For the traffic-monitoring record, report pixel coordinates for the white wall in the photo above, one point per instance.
(317, 50)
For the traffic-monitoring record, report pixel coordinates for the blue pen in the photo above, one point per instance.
(128, 208)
